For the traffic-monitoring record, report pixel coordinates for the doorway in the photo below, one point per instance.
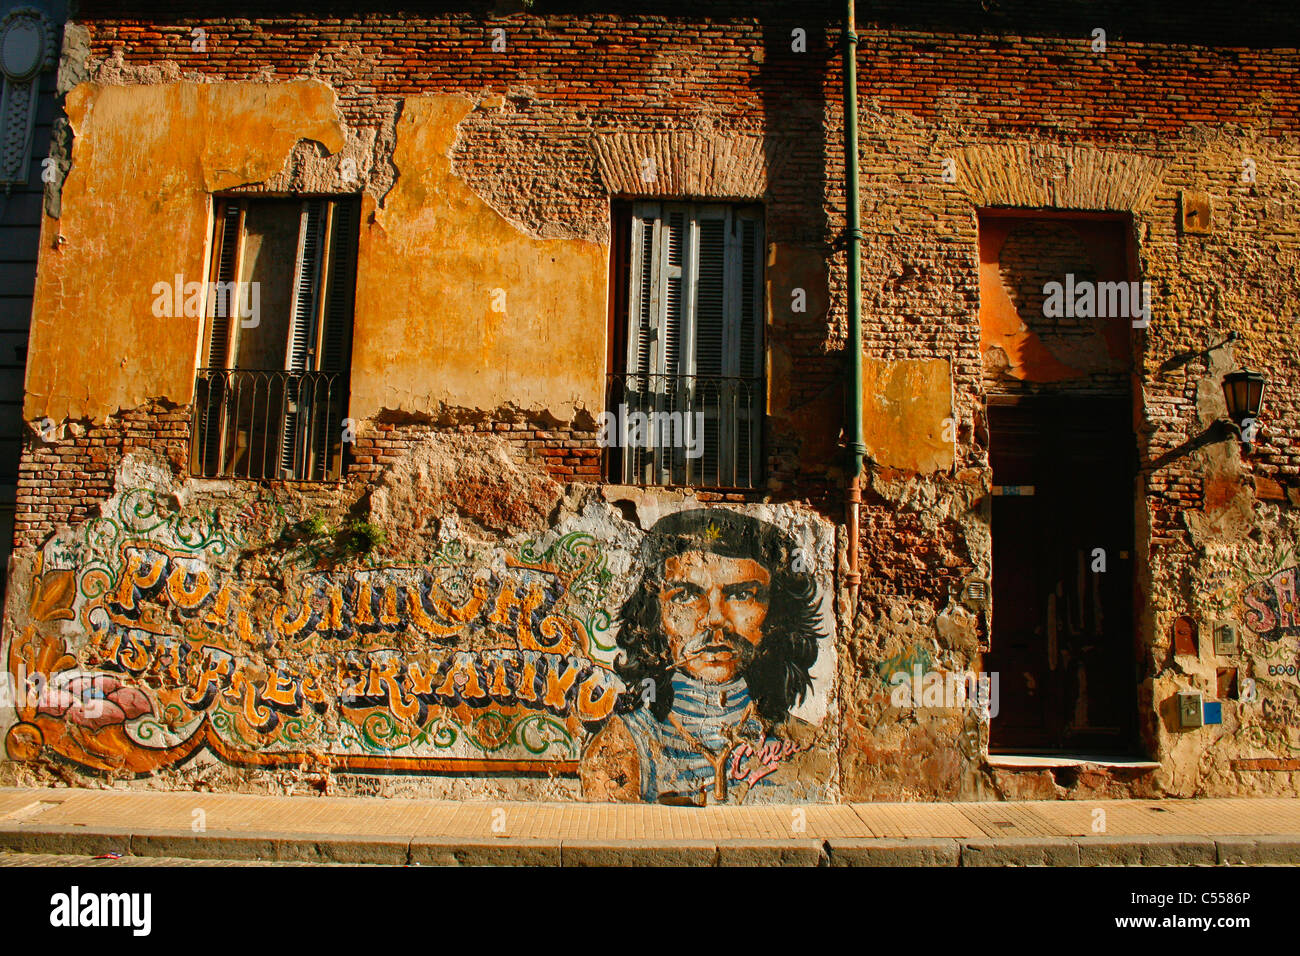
(1062, 451)
(1063, 573)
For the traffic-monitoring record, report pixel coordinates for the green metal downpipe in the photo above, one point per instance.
(857, 449)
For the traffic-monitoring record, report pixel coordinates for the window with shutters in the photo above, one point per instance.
(686, 393)
(272, 392)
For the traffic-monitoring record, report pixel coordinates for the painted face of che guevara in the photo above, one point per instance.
(712, 609)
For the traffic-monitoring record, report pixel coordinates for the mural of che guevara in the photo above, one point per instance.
(717, 641)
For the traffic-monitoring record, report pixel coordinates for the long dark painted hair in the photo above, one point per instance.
(778, 675)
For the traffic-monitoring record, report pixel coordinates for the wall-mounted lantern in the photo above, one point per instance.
(1243, 391)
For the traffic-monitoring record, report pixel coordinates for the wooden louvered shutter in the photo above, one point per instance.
(643, 334)
(695, 309)
(222, 314)
(671, 392)
(748, 338)
(300, 345)
(658, 291)
(334, 341)
(336, 338)
(225, 271)
(306, 286)
(710, 340)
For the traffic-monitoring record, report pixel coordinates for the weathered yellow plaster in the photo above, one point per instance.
(136, 211)
(904, 405)
(455, 305)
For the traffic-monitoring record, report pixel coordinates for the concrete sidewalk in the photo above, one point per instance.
(211, 826)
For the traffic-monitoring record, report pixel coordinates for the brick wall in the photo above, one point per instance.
(1017, 97)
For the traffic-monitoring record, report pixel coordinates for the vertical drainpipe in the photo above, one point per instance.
(857, 449)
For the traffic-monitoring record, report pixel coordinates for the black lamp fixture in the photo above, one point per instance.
(1243, 391)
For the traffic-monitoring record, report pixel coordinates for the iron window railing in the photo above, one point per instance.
(693, 430)
(264, 424)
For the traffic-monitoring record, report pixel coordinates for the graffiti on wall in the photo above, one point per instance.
(1273, 605)
(1260, 591)
(720, 633)
(152, 636)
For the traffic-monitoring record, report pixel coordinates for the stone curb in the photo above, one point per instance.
(1109, 851)
(741, 852)
(450, 851)
(639, 853)
(1152, 850)
(868, 851)
(1146, 850)
(281, 847)
(1020, 851)
(67, 840)
(1265, 849)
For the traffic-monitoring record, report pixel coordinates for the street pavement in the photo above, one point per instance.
(74, 826)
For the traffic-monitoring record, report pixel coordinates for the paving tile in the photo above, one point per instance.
(1009, 820)
(826, 822)
(21, 808)
(915, 820)
(1168, 831)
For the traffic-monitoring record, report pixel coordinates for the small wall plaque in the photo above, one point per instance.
(1194, 212)
(1225, 638)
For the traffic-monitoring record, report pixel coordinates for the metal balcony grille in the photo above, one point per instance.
(266, 424)
(694, 430)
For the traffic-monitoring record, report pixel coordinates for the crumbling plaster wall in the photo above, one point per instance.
(136, 211)
(526, 152)
(454, 304)
(448, 292)
(467, 289)
(1200, 516)
(199, 635)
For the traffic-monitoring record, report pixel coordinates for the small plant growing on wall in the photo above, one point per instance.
(314, 527)
(315, 539)
(362, 537)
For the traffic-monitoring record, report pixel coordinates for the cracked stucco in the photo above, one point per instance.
(452, 298)
(136, 211)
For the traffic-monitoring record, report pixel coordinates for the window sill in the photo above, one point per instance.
(615, 486)
(1046, 761)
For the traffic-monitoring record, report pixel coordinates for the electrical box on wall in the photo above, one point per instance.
(975, 594)
(1195, 211)
(1225, 638)
(1189, 709)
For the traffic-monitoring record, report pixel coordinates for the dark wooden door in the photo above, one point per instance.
(1062, 638)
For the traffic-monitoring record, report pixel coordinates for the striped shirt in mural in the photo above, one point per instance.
(673, 763)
